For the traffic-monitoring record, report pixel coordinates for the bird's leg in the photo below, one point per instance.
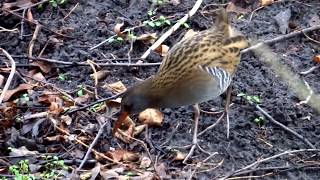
(226, 109)
(195, 132)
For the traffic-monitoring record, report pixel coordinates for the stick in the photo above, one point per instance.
(91, 146)
(172, 29)
(12, 72)
(306, 141)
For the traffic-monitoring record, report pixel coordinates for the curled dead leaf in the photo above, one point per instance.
(22, 151)
(231, 7)
(147, 38)
(66, 119)
(122, 155)
(316, 59)
(22, 87)
(179, 156)
(38, 76)
(125, 135)
(139, 129)
(151, 117)
(44, 66)
(117, 87)
(162, 50)
(117, 29)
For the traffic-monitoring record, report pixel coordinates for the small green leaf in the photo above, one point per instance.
(162, 18)
(256, 99)
(186, 25)
(241, 94)
(158, 23)
(119, 39)
(62, 77)
(167, 22)
(150, 12)
(151, 24)
(80, 92)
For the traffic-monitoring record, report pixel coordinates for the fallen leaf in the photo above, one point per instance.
(22, 87)
(117, 29)
(82, 99)
(179, 156)
(95, 171)
(161, 171)
(145, 162)
(39, 77)
(66, 119)
(22, 151)
(117, 87)
(53, 100)
(231, 7)
(100, 74)
(29, 15)
(44, 66)
(316, 59)
(282, 20)
(147, 38)
(125, 135)
(151, 117)
(111, 173)
(266, 2)
(122, 155)
(162, 50)
(56, 138)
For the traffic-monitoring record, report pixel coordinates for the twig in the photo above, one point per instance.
(30, 6)
(202, 162)
(258, 162)
(99, 64)
(96, 102)
(33, 39)
(22, 24)
(173, 29)
(65, 17)
(211, 126)
(101, 130)
(307, 142)
(2, 29)
(12, 72)
(309, 70)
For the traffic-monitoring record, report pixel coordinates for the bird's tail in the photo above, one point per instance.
(222, 22)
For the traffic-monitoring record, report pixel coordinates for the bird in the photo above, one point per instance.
(196, 69)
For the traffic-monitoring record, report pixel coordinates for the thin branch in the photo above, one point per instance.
(101, 130)
(12, 72)
(173, 29)
(306, 141)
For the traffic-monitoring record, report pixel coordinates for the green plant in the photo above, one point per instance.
(21, 171)
(259, 120)
(52, 167)
(56, 3)
(161, 21)
(80, 91)
(251, 99)
(158, 2)
(96, 107)
(62, 77)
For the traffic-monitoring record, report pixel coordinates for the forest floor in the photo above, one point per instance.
(41, 121)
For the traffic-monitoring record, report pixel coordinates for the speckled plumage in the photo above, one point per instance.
(196, 69)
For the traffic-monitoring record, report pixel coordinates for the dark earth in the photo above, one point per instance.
(92, 22)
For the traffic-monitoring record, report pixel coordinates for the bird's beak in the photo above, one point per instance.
(123, 115)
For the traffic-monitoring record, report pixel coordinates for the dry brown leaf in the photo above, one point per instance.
(231, 7)
(114, 103)
(29, 15)
(147, 38)
(122, 155)
(314, 20)
(125, 135)
(66, 119)
(179, 156)
(145, 162)
(22, 151)
(21, 87)
(117, 29)
(56, 138)
(316, 59)
(82, 99)
(1, 80)
(53, 100)
(117, 87)
(101, 74)
(266, 2)
(151, 117)
(44, 66)
(161, 171)
(112, 173)
(162, 50)
(38, 76)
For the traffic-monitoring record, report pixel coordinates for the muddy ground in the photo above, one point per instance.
(91, 22)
